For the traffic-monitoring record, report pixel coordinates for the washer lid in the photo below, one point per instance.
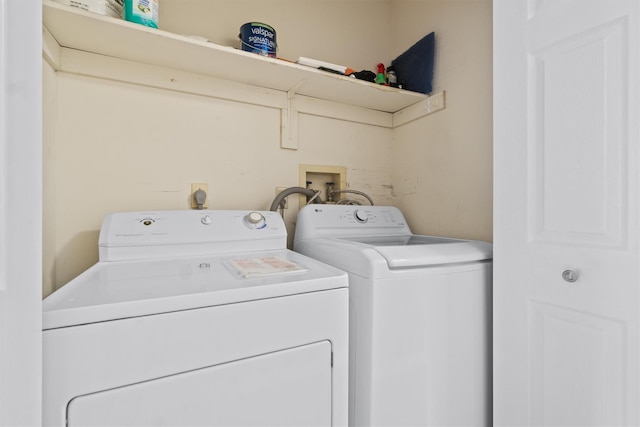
(419, 251)
(124, 289)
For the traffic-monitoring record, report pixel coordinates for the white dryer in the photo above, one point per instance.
(420, 319)
(197, 318)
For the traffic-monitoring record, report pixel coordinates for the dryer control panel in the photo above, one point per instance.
(156, 234)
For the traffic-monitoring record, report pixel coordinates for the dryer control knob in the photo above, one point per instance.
(255, 217)
(255, 220)
(360, 216)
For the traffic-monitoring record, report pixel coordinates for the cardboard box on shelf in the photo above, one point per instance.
(111, 8)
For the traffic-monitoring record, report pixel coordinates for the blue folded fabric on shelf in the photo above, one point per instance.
(415, 66)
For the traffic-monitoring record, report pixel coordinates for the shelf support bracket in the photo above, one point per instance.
(430, 105)
(289, 121)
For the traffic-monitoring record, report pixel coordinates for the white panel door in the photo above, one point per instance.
(566, 280)
(20, 212)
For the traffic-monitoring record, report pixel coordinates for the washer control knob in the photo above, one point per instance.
(360, 216)
(255, 220)
(206, 220)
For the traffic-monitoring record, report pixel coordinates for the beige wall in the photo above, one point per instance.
(120, 147)
(353, 33)
(442, 172)
(112, 146)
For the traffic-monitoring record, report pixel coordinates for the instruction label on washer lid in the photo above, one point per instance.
(264, 266)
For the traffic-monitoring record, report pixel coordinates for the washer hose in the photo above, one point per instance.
(352, 202)
(312, 195)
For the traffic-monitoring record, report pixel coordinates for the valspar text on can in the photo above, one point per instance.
(143, 12)
(258, 38)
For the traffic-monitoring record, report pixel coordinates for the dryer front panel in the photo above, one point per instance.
(285, 388)
(270, 358)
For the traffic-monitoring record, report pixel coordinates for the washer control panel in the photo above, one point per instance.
(349, 220)
(140, 235)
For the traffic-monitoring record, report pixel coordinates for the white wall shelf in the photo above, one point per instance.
(79, 30)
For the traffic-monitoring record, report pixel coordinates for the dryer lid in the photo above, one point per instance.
(123, 289)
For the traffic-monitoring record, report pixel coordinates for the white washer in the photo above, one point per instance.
(197, 318)
(420, 351)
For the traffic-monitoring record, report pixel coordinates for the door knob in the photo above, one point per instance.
(570, 276)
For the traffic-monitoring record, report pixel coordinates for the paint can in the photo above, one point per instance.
(144, 12)
(258, 38)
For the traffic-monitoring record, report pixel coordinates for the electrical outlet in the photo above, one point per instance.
(280, 190)
(196, 187)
